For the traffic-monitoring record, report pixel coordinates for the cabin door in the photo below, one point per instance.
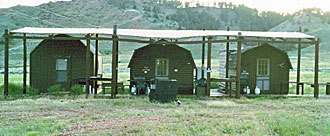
(263, 69)
(162, 68)
(63, 71)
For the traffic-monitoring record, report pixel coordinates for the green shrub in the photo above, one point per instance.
(124, 91)
(214, 85)
(119, 91)
(55, 89)
(76, 90)
(17, 89)
(32, 91)
(13, 89)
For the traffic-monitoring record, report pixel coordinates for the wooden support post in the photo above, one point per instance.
(298, 64)
(88, 63)
(196, 74)
(230, 90)
(96, 56)
(227, 60)
(208, 81)
(203, 58)
(151, 41)
(24, 64)
(327, 88)
(96, 62)
(238, 67)
(114, 62)
(6, 62)
(302, 88)
(316, 69)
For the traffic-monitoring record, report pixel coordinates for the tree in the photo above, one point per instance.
(172, 3)
(186, 4)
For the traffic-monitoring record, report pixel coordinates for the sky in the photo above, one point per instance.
(281, 6)
(11, 3)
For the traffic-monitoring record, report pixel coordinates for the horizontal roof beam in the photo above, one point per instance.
(148, 41)
(58, 38)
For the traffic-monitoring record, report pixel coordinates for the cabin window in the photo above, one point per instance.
(263, 67)
(61, 70)
(161, 67)
(263, 84)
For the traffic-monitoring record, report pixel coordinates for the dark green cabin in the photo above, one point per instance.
(164, 61)
(267, 67)
(61, 62)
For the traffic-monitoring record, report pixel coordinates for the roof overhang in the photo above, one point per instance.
(170, 34)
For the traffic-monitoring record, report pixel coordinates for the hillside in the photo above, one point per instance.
(312, 21)
(151, 14)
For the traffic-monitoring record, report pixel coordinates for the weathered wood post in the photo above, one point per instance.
(96, 61)
(316, 69)
(6, 62)
(302, 89)
(88, 63)
(227, 59)
(208, 81)
(203, 58)
(114, 62)
(298, 64)
(327, 89)
(24, 63)
(238, 65)
(230, 89)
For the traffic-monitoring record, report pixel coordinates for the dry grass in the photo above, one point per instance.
(51, 115)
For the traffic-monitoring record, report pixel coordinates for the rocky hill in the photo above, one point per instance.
(313, 22)
(155, 14)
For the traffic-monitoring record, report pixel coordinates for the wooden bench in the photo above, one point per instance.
(109, 85)
(226, 80)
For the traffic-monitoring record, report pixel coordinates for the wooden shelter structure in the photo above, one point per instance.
(263, 66)
(164, 61)
(179, 37)
(60, 62)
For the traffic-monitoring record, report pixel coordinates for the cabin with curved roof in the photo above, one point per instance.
(264, 66)
(60, 62)
(164, 61)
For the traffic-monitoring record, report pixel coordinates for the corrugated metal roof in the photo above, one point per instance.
(172, 34)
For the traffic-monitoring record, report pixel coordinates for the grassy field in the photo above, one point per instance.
(306, 76)
(50, 115)
(123, 77)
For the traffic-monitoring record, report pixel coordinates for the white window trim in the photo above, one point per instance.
(268, 70)
(59, 69)
(167, 67)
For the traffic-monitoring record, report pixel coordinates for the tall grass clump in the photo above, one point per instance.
(13, 89)
(55, 89)
(76, 90)
(214, 85)
(296, 124)
(17, 89)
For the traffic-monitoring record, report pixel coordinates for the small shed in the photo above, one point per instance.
(265, 66)
(164, 61)
(61, 62)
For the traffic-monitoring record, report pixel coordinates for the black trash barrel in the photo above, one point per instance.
(164, 91)
(200, 87)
